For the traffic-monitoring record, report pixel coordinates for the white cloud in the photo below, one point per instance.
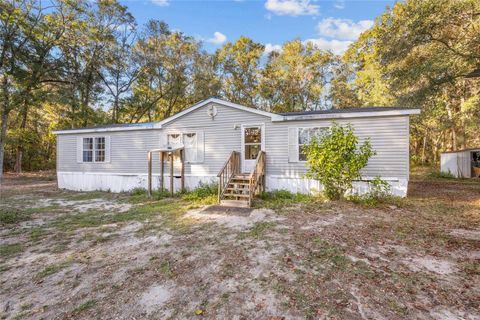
(339, 4)
(272, 47)
(161, 3)
(292, 7)
(343, 29)
(218, 38)
(336, 46)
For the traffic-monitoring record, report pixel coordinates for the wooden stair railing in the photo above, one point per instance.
(239, 188)
(256, 181)
(229, 170)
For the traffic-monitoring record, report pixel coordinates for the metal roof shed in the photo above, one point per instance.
(461, 163)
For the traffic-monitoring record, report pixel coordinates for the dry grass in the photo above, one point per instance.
(302, 258)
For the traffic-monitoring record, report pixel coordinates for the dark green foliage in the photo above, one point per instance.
(335, 159)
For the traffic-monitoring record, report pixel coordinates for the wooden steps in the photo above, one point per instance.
(239, 189)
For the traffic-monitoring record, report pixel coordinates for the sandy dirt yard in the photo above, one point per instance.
(98, 255)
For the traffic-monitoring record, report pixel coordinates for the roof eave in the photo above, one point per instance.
(95, 130)
(344, 115)
(272, 116)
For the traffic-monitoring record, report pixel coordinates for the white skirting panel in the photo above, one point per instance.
(115, 182)
(398, 187)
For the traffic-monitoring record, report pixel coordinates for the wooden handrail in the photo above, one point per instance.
(256, 179)
(229, 169)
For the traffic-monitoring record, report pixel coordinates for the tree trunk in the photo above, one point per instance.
(454, 138)
(3, 136)
(3, 123)
(19, 153)
(115, 110)
(424, 145)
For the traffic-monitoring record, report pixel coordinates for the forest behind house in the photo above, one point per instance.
(78, 63)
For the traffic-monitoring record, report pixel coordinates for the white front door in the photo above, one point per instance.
(253, 140)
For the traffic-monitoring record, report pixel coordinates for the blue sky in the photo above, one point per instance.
(330, 24)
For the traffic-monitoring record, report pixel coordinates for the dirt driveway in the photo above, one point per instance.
(70, 255)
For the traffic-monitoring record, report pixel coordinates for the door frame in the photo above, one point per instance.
(262, 142)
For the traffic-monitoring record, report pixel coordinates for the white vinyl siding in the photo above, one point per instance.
(217, 138)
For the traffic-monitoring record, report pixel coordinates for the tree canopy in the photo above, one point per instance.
(69, 64)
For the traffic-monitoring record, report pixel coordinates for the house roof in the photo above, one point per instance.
(275, 117)
(347, 110)
(463, 150)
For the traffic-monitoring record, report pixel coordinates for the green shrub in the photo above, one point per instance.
(379, 188)
(335, 159)
(379, 192)
(203, 190)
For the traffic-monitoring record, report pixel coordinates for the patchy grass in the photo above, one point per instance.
(258, 230)
(165, 269)
(52, 269)
(80, 196)
(10, 215)
(89, 304)
(441, 175)
(307, 258)
(282, 198)
(8, 250)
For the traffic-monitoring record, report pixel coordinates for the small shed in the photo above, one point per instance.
(461, 163)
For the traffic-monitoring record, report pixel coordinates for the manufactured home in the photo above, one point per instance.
(220, 141)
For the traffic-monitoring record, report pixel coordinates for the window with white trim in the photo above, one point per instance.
(305, 136)
(190, 144)
(93, 149)
(189, 141)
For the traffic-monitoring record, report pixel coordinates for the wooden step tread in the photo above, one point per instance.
(236, 195)
(234, 203)
(237, 189)
(239, 183)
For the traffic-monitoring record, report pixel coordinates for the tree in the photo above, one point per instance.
(120, 69)
(343, 93)
(164, 80)
(29, 33)
(85, 50)
(335, 159)
(295, 79)
(416, 55)
(239, 68)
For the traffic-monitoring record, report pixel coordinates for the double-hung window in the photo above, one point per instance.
(189, 141)
(190, 144)
(93, 149)
(305, 136)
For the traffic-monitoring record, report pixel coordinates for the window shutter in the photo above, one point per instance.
(79, 149)
(163, 140)
(292, 144)
(200, 147)
(107, 148)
